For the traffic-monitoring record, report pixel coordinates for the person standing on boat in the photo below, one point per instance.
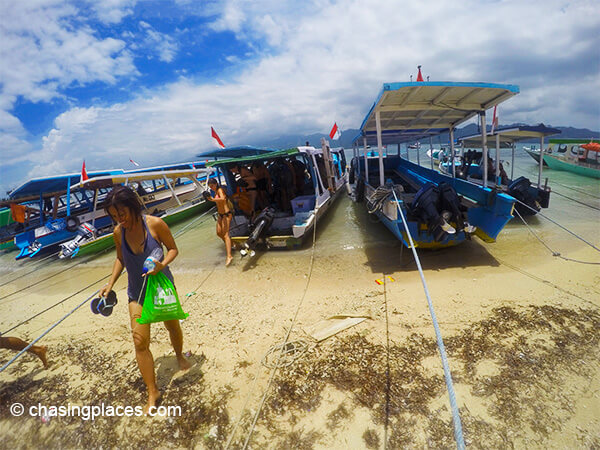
(136, 236)
(225, 214)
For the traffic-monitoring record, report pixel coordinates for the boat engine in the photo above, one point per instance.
(85, 232)
(436, 206)
(519, 189)
(258, 227)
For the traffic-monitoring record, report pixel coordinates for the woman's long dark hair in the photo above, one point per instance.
(123, 196)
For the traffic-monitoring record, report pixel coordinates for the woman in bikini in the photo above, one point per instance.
(136, 236)
(225, 214)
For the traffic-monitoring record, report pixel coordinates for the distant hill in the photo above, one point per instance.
(345, 140)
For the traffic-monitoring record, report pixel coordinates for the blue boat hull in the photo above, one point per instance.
(489, 211)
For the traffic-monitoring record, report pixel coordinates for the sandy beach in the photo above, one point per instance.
(521, 327)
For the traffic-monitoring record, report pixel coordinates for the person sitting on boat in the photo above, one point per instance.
(14, 343)
(299, 175)
(283, 184)
(246, 192)
(136, 236)
(224, 214)
(264, 187)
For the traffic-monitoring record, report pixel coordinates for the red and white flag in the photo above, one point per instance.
(216, 137)
(333, 131)
(84, 175)
(134, 163)
(419, 76)
(494, 120)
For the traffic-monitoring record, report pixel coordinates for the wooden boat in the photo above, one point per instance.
(173, 195)
(59, 205)
(530, 198)
(439, 210)
(296, 204)
(579, 156)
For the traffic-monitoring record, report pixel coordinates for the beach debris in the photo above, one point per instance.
(188, 354)
(334, 324)
(45, 419)
(283, 355)
(189, 294)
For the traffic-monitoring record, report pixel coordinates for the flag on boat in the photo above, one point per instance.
(419, 76)
(494, 120)
(84, 175)
(217, 138)
(134, 163)
(333, 130)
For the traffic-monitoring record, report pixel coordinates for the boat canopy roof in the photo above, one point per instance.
(508, 135)
(177, 166)
(269, 155)
(235, 152)
(51, 186)
(109, 180)
(571, 141)
(416, 110)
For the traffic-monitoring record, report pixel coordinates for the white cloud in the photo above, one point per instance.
(158, 42)
(43, 49)
(327, 61)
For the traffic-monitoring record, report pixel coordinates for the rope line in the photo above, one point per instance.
(554, 253)
(47, 331)
(576, 190)
(559, 225)
(29, 266)
(576, 201)
(387, 368)
(72, 295)
(458, 435)
(276, 365)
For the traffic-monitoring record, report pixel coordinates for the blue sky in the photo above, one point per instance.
(111, 80)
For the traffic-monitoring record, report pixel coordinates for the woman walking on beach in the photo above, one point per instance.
(225, 214)
(136, 236)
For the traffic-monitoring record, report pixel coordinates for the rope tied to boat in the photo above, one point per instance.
(377, 199)
(554, 252)
(558, 225)
(458, 434)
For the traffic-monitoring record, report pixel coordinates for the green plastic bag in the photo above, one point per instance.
(161, 301)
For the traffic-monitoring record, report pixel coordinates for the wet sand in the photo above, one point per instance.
(521, 327)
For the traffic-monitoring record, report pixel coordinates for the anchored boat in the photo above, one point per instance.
(302, 185)
(531, 198)
(173, 195)
(439, 210)
(578, 156)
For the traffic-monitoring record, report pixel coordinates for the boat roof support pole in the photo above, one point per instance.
(379, 146)
(498, 178)
(366, 160)
(398, 144)
(95, 205)
(407, 154)
(484, 148)
(431, 150)
(172, 191)
(541, 161)
(418, 157)
(68, 196)
(452, 151)
(512, 162)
